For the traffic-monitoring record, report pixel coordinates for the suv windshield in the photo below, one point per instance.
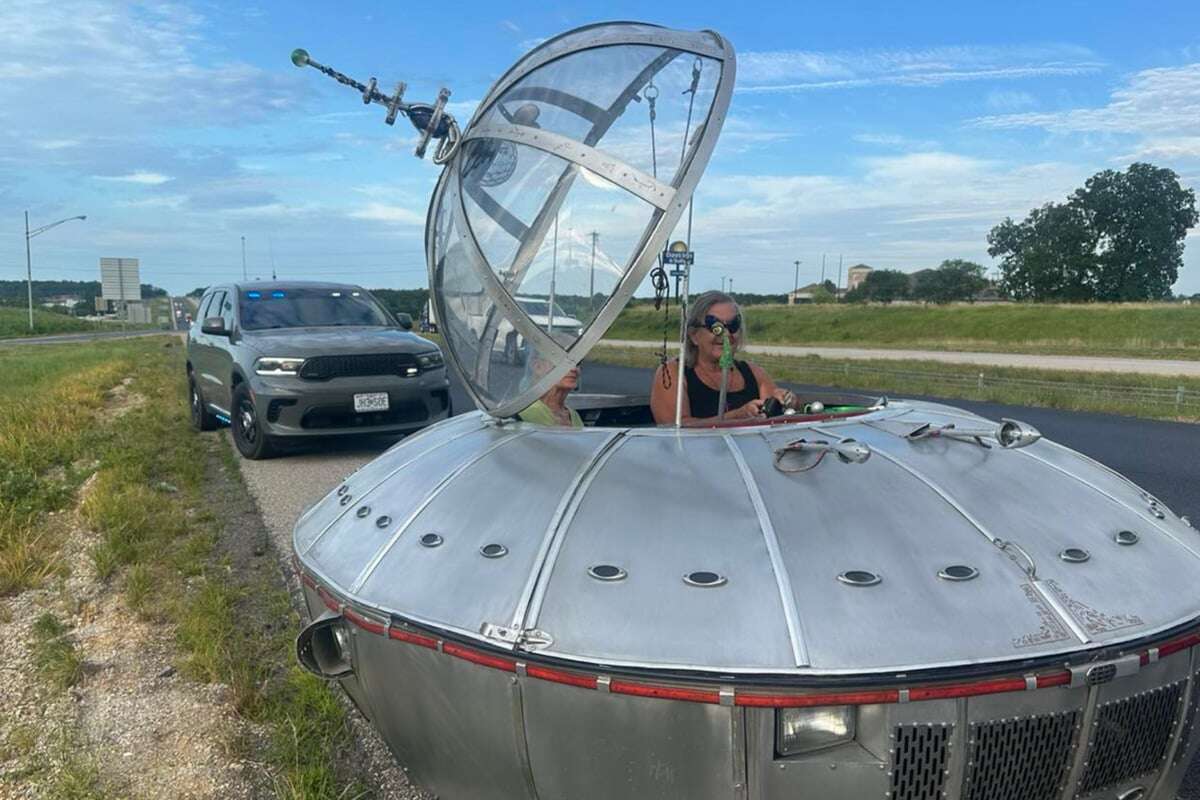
(304, 308)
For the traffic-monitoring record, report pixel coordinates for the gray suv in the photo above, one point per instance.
(278, 360)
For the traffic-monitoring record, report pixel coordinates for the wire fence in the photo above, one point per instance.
(1184, 399)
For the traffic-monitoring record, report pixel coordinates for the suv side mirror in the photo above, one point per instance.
(214, 326)
(405, 320)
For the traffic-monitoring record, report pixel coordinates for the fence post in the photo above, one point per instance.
(981, 381)
(1178, 396)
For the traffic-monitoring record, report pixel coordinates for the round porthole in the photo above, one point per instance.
(343, 489)
(704, 578)
(606, 572)
(383, 522)
(493, 551)
(431, 540)
(958, 572)
(1126, 537)
(345, 499)
(363, 511)
(1156, 513)
(859, 577)
(1074, 555)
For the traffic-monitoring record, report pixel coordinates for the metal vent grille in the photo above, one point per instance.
(919, 761)
(1189, 721)
(322, 368)
(1129, 737)
(1022, 758)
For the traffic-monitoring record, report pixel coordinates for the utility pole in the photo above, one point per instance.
(731, 286)
(822, 269)
(796, 288)
(29, 271)
(592, 275)
(839, 283)
(722, 284)
(243, 258)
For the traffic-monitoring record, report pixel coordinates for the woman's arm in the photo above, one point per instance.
(767, 387)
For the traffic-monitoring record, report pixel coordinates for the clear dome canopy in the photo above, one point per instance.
(568, 181)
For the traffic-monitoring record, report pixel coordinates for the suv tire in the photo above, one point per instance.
(248, 436)
(202, 418)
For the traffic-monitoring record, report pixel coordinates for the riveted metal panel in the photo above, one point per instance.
(342, 553)
(653, 616)
(454, 584)
(1130, 737)
(1188, 730)
(1018, 498)
(450, 722)
(601, 746)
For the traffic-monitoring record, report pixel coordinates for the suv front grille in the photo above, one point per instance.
(1130, 736)
(321, 368)
(1020, 759)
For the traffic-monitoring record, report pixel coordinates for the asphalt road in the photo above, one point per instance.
(1161, 457)
(1148, 366)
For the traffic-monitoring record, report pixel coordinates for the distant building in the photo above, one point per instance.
(803, 295)
(856, 275)
(61, 301)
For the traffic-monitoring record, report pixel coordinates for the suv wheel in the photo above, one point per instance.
(248, 435)
(202, 418)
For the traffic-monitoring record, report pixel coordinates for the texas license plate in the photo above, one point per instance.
(371, 401)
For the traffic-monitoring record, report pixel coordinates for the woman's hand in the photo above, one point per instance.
(786, 397)
(751, 410)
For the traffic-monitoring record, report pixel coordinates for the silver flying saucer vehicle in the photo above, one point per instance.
(893, 600)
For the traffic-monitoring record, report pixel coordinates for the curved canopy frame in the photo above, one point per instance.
(453, 248)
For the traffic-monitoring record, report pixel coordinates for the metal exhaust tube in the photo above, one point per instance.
(323, 647)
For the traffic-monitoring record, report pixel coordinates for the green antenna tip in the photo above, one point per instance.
(300, 57)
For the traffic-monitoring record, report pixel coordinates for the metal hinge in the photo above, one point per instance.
(525, 638)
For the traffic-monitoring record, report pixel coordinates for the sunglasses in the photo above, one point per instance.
(733, 326)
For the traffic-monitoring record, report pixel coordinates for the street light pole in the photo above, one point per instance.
(796, 288)
(29, 234)
(243, 259)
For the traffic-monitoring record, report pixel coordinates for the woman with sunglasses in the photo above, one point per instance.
(749, 385)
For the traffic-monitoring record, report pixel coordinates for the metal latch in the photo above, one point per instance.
(1100, 672)
(525, 638)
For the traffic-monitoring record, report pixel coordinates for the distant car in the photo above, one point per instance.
(279, 361)
(512, 343)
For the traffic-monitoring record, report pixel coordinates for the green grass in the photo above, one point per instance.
(54, 653)
(14, 322)
(159, 532)
(1135, 395)
(1138, 330)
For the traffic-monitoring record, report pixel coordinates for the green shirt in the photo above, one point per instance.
(540, 414)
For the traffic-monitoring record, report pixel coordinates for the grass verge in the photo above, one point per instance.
(1137, 395)
(108, 424)
(1133, 330)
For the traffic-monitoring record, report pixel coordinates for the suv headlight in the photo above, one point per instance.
(802, 730)
(430, 360)
(278, 366)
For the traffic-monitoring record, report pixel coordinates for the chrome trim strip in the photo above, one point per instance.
(618, 173)
(783, 581)
(1064, 614)
(429, 498)
(384, 480)
(554, 528)
(534, 608)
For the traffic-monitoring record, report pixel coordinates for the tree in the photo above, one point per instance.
(880, 286)
(955, 279)
(1140, 218)
(1119, 237)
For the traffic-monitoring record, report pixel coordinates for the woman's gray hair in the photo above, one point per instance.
(696, 314)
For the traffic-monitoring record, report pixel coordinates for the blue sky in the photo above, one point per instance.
(893, 135)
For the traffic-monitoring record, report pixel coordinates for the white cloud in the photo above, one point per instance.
(799, 70)
(894, 141)
(381, 212)
(509, 25)
(140, 177)
(1154, 101)
(1009, 100)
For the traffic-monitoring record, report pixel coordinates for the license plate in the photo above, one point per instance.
(371, 401)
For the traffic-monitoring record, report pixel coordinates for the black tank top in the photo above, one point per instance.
(704, 399)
